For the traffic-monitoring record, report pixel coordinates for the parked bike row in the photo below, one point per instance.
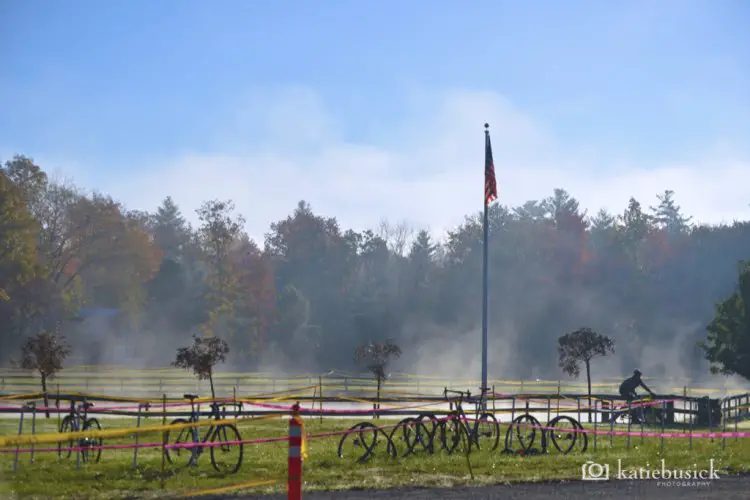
(184, 445)
(457, 433)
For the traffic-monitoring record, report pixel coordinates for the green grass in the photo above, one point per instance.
(115, 477)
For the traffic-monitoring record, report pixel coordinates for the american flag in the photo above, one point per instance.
(490, 185)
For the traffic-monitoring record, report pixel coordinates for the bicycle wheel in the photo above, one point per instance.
(401, 438)
(181, 437)
(453, 433)
(227, 456)
(564, 433)
(524, 429)
(91, 447)
(362, 438)
(427, 426)
(487, 432)
(65, 448)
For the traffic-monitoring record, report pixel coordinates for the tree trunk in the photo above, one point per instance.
(211, 381)
(378, 404)
(588, 377)
(46, 399)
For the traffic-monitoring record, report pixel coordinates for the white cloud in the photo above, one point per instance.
(433, 177)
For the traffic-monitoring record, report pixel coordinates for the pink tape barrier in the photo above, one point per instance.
(666, 435)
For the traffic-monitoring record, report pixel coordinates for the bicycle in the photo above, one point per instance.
(226, 435)
(643, 413)
(455, 428)
(77, 420)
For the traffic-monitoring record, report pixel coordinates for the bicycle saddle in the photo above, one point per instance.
(190, 396)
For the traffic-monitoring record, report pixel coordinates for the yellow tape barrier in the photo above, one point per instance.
(57, 437)
(237, 487)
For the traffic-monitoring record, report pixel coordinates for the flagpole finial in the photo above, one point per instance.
(486, 127)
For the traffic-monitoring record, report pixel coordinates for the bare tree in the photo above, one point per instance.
(581, 346)
(376, 357)
(396, 236)
(44, 352)
(202, 356)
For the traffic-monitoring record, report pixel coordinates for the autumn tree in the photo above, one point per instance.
(727, 347)
(44, 353)
(30, 180)
(256, 297)
(376, 356)
(219, 230)
(581, 346)
(18, 264)
(201, 357)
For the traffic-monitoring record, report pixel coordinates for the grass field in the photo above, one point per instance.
(115, 477)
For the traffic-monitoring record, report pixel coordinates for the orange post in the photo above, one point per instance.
(294, 482)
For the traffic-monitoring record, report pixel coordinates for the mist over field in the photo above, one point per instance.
(128, 287)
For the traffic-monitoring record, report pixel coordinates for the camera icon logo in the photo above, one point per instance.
(592, 471)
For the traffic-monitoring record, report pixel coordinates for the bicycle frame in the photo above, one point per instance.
(637, 413)
(463, 417)
(195, 433)
(78, 415)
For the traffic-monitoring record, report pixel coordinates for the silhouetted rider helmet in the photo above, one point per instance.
(629, 385)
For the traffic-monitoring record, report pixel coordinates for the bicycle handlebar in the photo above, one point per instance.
(456, 392)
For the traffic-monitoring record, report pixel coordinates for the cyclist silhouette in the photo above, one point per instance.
(628, 387)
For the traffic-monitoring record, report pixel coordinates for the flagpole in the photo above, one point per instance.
(485, 278)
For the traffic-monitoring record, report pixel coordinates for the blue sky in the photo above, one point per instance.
(239, 99)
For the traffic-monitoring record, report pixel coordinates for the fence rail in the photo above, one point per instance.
(159, 380)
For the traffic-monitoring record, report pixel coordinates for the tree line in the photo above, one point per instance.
(312, 292)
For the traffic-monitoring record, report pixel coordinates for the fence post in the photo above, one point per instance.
(141, 408)
(57, 408)
(320, 384)
(294, 461)
(20, 431)
(724, 415)
(710, 420)
(737, 413)
(630, 420)
(690, 428)
(663, 419)
(164, 441)
(33, 428)
(596, 418)
(612, 417)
